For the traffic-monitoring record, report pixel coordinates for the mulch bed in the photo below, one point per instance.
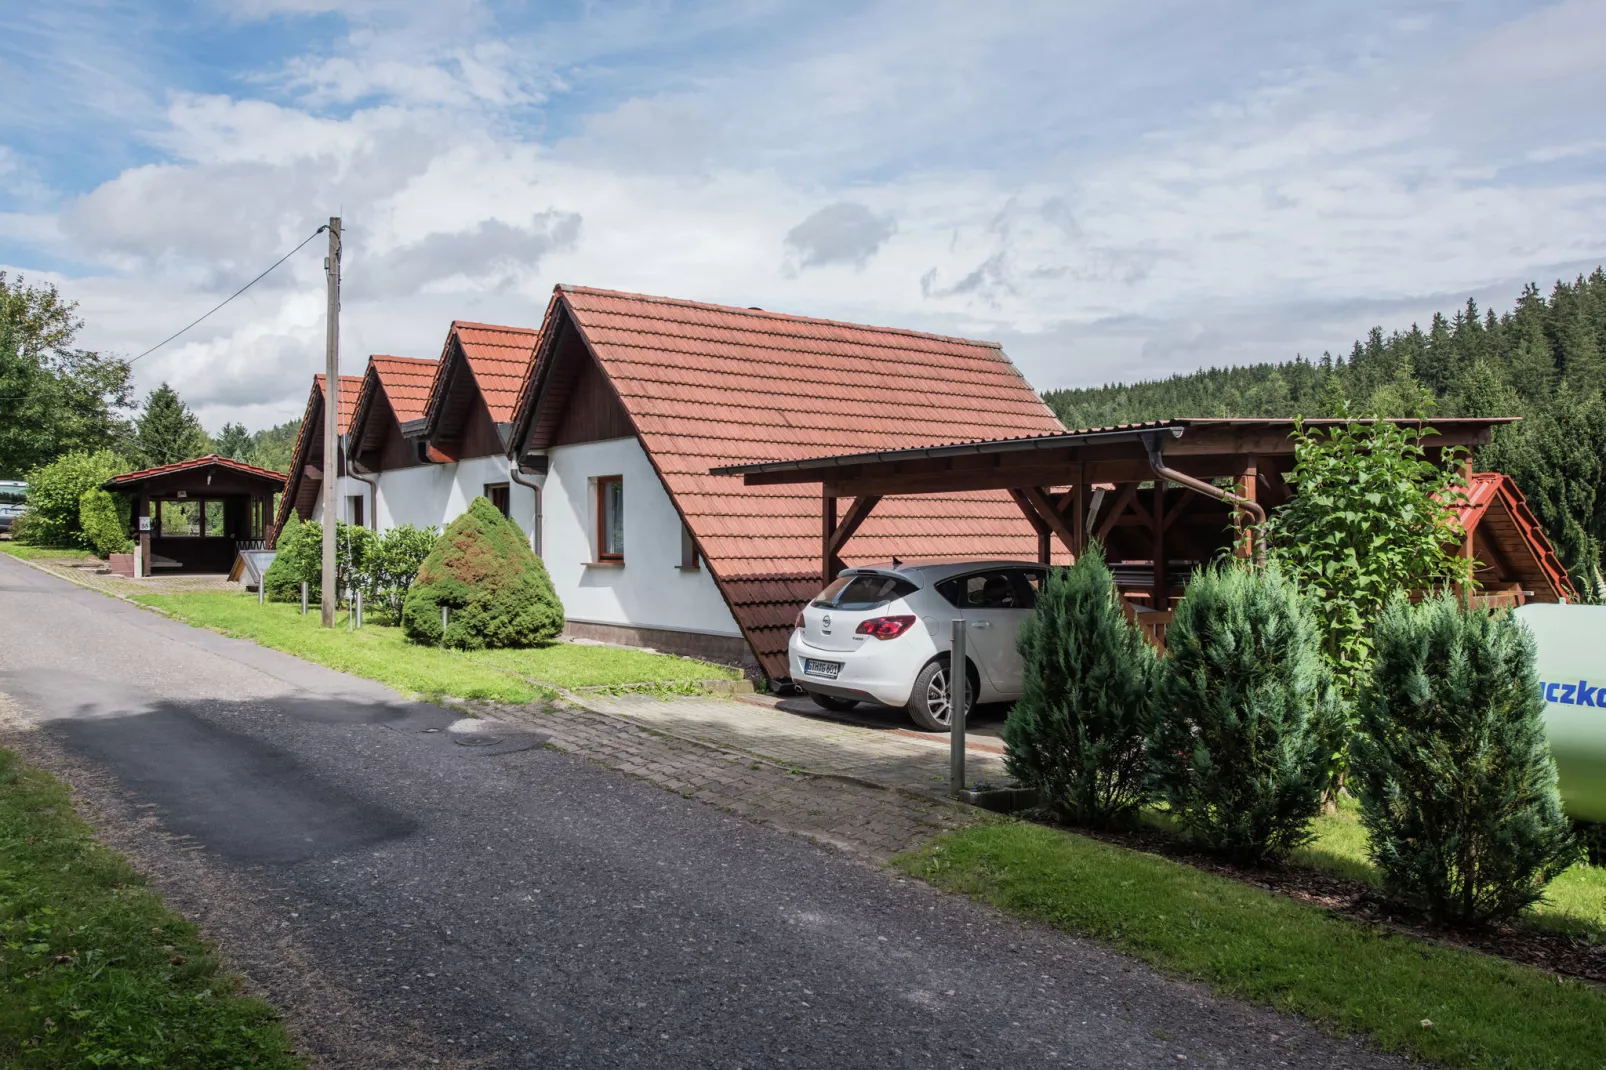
(1358, 901)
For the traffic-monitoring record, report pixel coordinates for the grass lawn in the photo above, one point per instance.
(1575, 902)
(379, 652)
(1249, 943)
(94, 970)
(39, 553)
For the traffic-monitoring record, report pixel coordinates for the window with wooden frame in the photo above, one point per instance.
(499, 495)
(610, 518)
(689, 560)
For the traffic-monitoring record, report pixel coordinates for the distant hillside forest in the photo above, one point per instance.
(1543, 360)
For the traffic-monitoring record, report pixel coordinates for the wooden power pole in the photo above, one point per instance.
(331, 424)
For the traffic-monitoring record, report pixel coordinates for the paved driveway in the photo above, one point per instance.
(414, 895)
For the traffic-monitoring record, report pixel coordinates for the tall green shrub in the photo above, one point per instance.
(497, 591)
(55, 494)
(1250, 716)
(1078, 732)
(297, 558)
(104, 519)
(1457, 787)
(398, 555)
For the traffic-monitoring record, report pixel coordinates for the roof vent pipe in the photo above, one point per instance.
(1158, 466)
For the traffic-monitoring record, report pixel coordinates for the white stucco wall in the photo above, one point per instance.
(348, 487)
(648, 591)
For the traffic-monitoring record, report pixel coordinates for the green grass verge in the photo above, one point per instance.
(583, 665)
(1574, 903)
(1252, 944)
(40, 553)
(380, 652)
(94, 970)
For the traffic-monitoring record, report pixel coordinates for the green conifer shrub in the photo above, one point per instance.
(1250, 716)
(1078, 733)
(497, 590)
(1457, 787)
(104, 519)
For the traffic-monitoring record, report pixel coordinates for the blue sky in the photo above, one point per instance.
(1113, 190)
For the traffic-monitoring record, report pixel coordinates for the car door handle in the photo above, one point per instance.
(981, 624)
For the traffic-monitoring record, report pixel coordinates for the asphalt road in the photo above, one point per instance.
(408, 899)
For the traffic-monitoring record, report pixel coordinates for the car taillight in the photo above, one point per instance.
(884, 627)
(797, 625)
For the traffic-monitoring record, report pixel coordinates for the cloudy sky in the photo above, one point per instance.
(1112, 189)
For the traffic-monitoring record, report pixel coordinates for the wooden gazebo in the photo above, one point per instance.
(195, 516)
(1163, 496)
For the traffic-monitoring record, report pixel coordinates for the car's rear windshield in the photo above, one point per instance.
(853, 592)
(13, 495)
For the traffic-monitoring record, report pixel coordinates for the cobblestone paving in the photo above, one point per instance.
(871, 822)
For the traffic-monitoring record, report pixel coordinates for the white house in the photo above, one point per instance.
(596, 434)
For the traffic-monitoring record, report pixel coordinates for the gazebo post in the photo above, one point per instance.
(1084, 495)
(142, 512)
(1249, 480)
(1161, 598)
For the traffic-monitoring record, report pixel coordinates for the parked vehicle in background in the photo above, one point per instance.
(884, 634)
(13, 501)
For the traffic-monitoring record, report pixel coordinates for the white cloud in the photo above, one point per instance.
(1079, 182)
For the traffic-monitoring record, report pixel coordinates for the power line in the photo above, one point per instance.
(231, 296)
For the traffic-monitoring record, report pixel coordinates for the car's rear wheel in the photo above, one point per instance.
(929, 704)
(832, 703)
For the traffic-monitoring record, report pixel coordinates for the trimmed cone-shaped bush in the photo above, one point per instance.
(1077, 734)
(1250, 716)
(1457, 786)
(297, 556)
(496, 589)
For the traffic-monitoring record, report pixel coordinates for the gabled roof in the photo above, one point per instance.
(1496, 511)
(497, 357)
(710, 385)
(312, 417)
(405, 383)
(128, 479)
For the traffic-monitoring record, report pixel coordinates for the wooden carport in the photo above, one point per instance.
(197, 515)
(1162, 496)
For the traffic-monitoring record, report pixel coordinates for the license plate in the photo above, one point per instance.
(827, 669)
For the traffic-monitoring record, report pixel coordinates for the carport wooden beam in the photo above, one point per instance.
(834, 535)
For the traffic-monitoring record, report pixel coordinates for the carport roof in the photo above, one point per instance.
(130, 480)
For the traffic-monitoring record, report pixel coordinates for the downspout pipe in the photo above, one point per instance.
(1158, 466)
(360, 476)
(517, 476)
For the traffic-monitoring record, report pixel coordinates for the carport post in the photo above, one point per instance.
(958, 685)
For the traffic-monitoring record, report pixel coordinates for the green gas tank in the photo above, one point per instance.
(1571, 644)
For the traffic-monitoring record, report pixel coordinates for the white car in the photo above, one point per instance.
(884, 634)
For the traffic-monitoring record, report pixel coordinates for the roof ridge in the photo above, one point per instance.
(759, 313)
(495, 327)
(409, 360)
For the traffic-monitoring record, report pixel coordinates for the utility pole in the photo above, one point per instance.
(331, 424)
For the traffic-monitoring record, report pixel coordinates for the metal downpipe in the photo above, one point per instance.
(1158, 466)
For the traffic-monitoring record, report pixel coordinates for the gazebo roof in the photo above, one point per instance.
(134, 480)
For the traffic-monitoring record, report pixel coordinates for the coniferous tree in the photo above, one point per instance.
(167, 431)
(1078, 733)
(1457, 787)
(1250, 717)
(233, 441)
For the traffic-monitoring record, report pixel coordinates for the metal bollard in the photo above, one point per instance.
(358, 609)
(958, 694)
(303, 598)
(446, 615)
(262, 592)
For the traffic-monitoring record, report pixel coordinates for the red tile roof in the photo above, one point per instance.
(198, 462)
(499, 358)
(406, 382)
(350, 387)
(710, 385)
(1497, 510)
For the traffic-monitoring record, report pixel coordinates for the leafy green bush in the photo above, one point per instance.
(1250, 716)
(55, 491)
(297, 558)
(1457, 787)
(104, 519)
(1371, 515)
(397, 556)
(1078, 732)
(496, 589)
